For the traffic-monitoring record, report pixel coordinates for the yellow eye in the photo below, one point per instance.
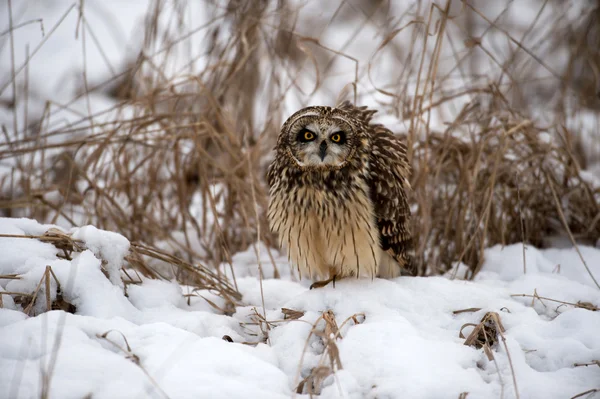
(308, 135)
(336, 138)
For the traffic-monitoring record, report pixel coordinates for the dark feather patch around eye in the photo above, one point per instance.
(338, 137)
(305, 135)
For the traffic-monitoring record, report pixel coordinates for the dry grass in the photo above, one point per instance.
(326, 330)
(487, 334)
(177, 165)
(140, 258)
(541, 299)
(496, 188)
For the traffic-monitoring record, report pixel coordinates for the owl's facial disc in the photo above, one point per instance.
(321, 146)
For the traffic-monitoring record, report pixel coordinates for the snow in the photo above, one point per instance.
(106, 245)
(403, 340)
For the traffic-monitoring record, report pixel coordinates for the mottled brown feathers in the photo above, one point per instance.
(389, 172)
(388, 184)
(349, 215)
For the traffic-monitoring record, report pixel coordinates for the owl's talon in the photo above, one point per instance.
(321, 284)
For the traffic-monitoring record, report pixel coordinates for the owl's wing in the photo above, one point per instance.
(389, 172)
(388, 181)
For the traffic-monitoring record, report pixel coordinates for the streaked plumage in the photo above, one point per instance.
(340, 206)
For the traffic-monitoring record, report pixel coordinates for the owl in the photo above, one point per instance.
(338, 195)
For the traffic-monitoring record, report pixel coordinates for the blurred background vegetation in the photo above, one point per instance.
(156, 119)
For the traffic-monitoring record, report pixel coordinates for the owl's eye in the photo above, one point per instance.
(338, 137)
(305, 135)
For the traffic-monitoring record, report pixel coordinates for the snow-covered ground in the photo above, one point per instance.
(397, 338)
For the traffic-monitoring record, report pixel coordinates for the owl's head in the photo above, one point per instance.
(320, 137)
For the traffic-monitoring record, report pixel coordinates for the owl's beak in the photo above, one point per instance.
(323, 150)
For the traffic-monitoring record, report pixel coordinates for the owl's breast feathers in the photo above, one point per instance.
(325, 220)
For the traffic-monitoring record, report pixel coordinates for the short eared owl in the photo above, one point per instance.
(337, 195)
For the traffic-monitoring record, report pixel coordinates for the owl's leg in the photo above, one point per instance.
(323, 283)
